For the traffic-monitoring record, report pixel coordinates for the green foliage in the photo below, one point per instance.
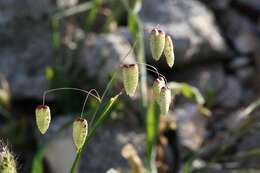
(90, 17)
(104, 110)
(187, 91)
(152, 124)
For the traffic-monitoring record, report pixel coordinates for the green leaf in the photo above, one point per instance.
(104, 110)
(187, 166)
(152, 124)
(37, 165)
(187, 91)
(92, 14)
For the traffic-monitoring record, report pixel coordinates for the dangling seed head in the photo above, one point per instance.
(43, 118)
(80, 132)
(7, 160)
(157, 42)
(169, 51)
(157, 86)
(130, 78)
(165, 100)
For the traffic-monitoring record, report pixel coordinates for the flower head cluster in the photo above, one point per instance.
(159, 43)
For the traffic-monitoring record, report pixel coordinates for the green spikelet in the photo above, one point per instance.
(157, 86)
(130, 78)
(157, 42)
(7, 161)
(169, 51)
(80, 132)
(43, 118)
(165, 100)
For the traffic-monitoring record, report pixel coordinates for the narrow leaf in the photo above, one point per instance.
(100, 120)
(152, 123)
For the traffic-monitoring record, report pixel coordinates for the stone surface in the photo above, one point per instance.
(207, 77)
(102, 54)
(191, 126)
(24, 61)
(231, 94)
(238, 62)
(192, 26)
(60, 151)
(240, 31)
(103, 151)
(25, 46)
(217, 5)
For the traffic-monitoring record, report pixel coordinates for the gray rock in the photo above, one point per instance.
(240, 31)
(252, 5)
(11, 10)
(102, 153)
(24, 61)
(25, 46)
(102, 54)
(238, 62)
(60, 152)
(217, 5)
(207, 78)
(192, 26)
(248, 143)
(245, 73)
(231, 94)
(191, 126)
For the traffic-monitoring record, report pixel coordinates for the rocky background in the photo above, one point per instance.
(217, 49)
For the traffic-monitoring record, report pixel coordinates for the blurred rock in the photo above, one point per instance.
(242, 67)
(245, 73)
(24, 61)
(240, 31)
(239, 62)
(249, 142)
(25, 46)
(207, 78)
(16, 10)
(217, 5)
(191, 126)
(105, 148)
(60, 152)
(257, 57)
(102, 54)
(192, 26)
(250, 6)
(231, 94)
(103, 151)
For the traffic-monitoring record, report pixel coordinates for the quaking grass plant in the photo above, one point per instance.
(82, 131)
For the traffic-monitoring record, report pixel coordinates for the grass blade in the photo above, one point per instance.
(152, 124)
(101, 119)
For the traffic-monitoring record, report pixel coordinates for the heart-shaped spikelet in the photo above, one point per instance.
(165, 100)
(43, 118)
(130, 78)
(157, 86)
(169, 51)
(157, 42)
(80, 132)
